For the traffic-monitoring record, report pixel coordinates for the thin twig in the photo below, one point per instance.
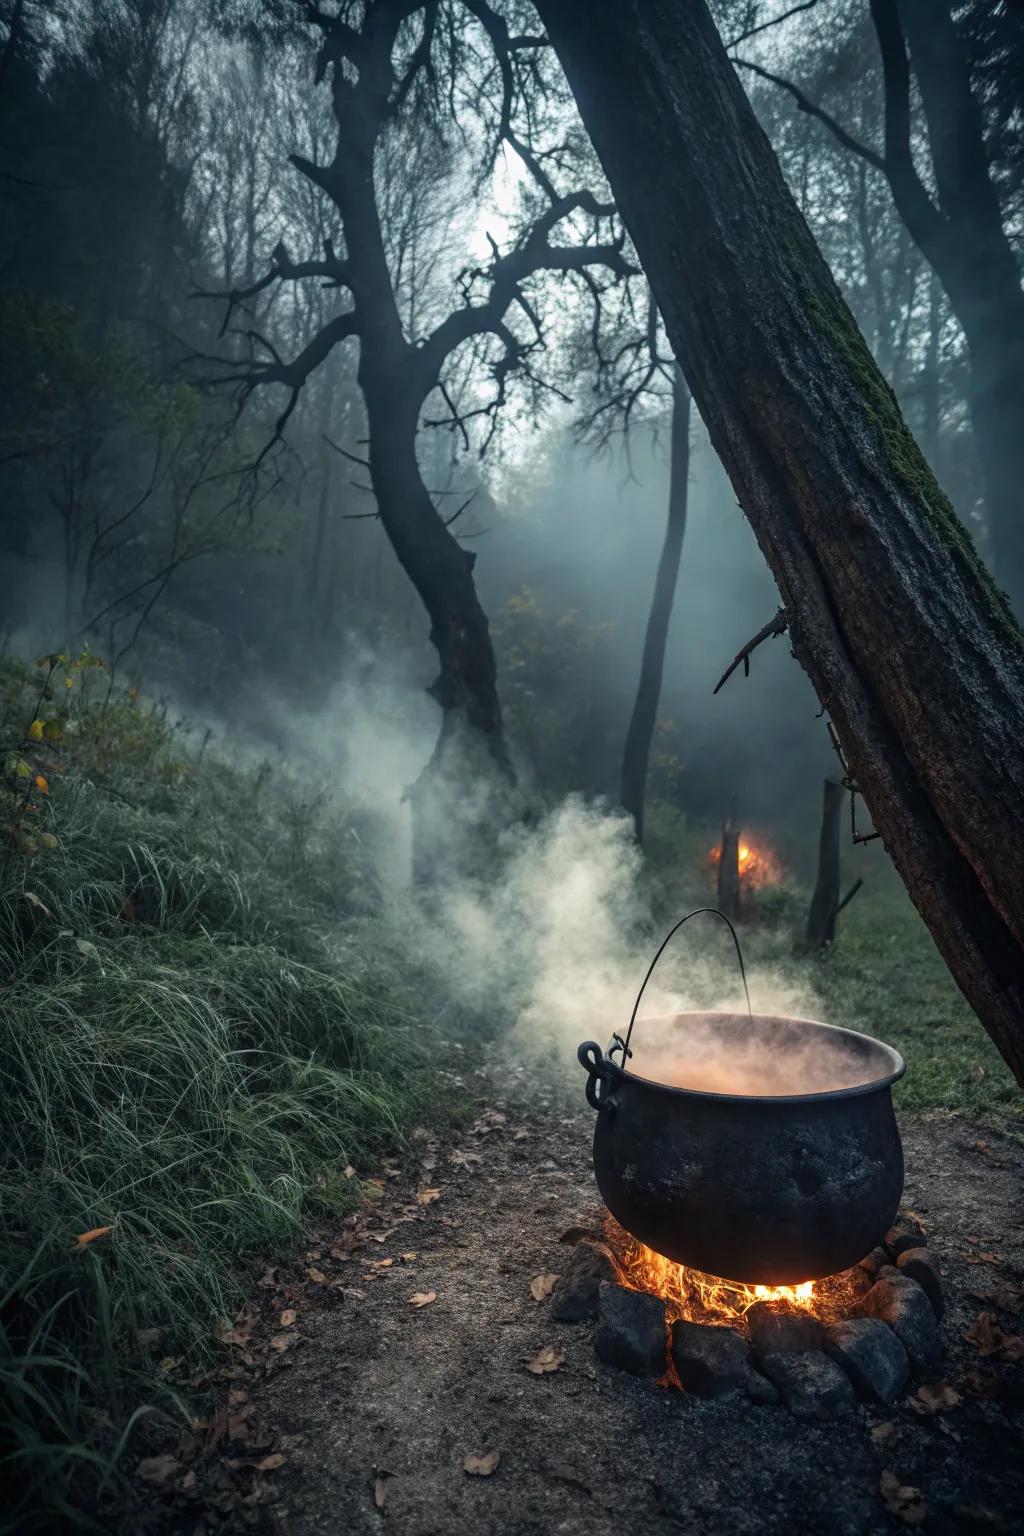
(777, 626)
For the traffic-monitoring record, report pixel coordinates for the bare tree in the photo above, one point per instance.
(958, 225)
(912, 650)
(385, 65)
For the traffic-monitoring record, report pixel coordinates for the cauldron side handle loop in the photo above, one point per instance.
(591, 1058)
(697, 912)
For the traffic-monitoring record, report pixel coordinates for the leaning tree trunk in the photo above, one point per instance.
(911, 649)
(637, 751)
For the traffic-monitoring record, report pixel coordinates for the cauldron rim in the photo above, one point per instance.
(858, 1090)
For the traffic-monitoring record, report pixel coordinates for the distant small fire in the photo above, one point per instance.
(759, 865)
(703, 1298)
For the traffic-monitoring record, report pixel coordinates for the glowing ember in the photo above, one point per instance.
(759, 866)
(706, 1299)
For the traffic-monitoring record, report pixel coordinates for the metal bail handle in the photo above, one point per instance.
(697, 912)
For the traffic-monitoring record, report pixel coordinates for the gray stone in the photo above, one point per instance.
(873, 1261)
(710, 1360)
(900, 1302)
(760, 1389)
(905, 1232)
(871, 1355)
(631, 1330)
(776, 1331)
(576, 1294)
(811, 1385)
(920, 1265)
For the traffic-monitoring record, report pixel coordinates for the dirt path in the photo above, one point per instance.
(368, 1410)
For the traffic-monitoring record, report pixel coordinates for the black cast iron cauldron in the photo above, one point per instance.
(770, 1189)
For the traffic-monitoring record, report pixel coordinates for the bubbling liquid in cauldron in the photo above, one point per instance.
(766, 1056)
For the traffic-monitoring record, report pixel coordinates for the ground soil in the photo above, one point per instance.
(364, 1408)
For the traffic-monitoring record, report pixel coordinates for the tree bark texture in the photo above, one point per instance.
(913, 652)
(637, 751)
(821, 919)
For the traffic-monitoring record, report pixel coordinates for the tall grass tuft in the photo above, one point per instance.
(185, 1059)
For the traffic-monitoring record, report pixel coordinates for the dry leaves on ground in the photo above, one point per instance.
(422, 1298)
(288, 1317)
(547, 1360)
(990, 1339)
(427, 1196)
(158, 1470)
(271, 1463)
(481, 1464)
(939, 1398)
(316, 1275)
(906, 1503)
(542, 1285)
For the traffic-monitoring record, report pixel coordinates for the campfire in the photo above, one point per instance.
(759, 864)
(813, 1347)
(700, 1298)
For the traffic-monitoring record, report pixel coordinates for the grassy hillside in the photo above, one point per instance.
(200, 1033)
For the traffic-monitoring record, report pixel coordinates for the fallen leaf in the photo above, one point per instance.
(349, 1172)
(380, 1491)
(985, 1333)
(35, 730)
(427, 1196)
(978, 1075)
(283, 1341)
(158, 1469)
(478, 1465)
(988, 1257)
(48, 841)
(939, 1398)
(882, 1433)
(41, 784)
(316, 1275)
(408, 1257)
(288, 1317)
(237, 1396)
(422, 1298)
(981, 1146)
(542, 1285)
(906, 1503)
(268, 1279)
(188, 1482)
(85, 1238)
(382, 1263)
(548, 1359)
(271, 1463)
(464, 1159)
(34, 901)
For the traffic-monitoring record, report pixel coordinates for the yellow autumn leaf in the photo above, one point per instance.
(35, 730)
(42, 784)
(85, 1238)
(69, 681)
(47, 840)
(22, 769)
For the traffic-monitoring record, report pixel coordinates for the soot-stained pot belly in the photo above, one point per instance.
(769, 1188)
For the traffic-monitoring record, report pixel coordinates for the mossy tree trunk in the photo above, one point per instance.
(913, 652)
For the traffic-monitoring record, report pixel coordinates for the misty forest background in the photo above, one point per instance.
(223, 995)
